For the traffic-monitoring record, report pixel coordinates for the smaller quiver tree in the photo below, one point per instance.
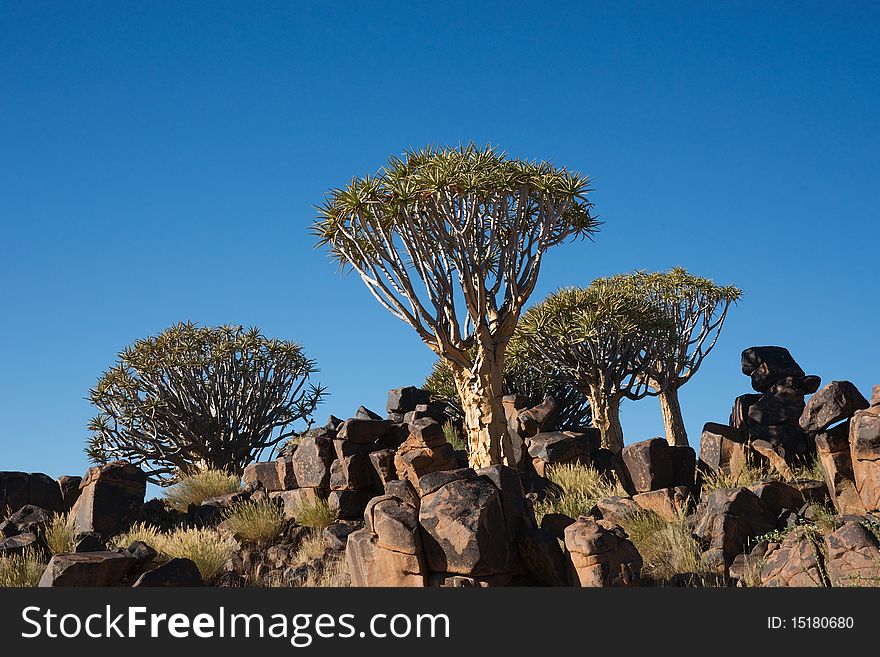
(194, 398)
(602, 338)
(696, 308)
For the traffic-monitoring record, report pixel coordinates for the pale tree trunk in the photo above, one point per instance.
(606, 418)
(672, 420)
(480, 390)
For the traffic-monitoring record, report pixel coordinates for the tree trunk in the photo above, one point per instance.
(606, 418)
(672, 420)
(480, 390)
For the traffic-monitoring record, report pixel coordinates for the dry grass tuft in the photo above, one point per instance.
(140, 532)
(206, 547)
(317, 516)
(453, 436)
(582, 487)
(60, 536)
(22, 570)
(257, 522)
(195, 489)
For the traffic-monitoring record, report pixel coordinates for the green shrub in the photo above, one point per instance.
(453, 436)
(196, 488)
(255, 522)
(317, 516)
(60, 536)
(21, 570)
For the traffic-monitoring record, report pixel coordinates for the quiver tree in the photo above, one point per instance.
(195, 397)
(573, 407)
(603, 339)
(451, 241)
(696, 308)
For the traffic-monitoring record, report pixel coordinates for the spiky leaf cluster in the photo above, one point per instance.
(194, 397)
(603, 337)
(696, 308)
(445, 227)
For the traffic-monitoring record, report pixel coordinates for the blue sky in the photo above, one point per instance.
(160, 162)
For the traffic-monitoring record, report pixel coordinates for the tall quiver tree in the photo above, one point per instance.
(696, 308)
(451, 240)
(603, 338)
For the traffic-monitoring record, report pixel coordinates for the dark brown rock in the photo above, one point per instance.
(669, 503)
(370, 565)
(542, 557)
(264, 473)
(794, 562)
(69, 487)
(111, 498)
(177, 572)
(833, 451)
(383, 464)
(464, 530)
(88, 569)
(767, 365)
(311, 462)
(722, 448)
(426, 432)
(864, 442)
(404, 400)
(739, 415)
(839, 400)
(853, 556)
(363, 431)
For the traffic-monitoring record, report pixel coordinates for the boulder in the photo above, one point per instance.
(766, 452)
(348, 504)
(463, 528)
(18, 544)
(556, 447)
(789, 441)
(353, 472)
(853, 556)
(864, 443)
(772, 409)
(413, 460)
(404, 400)
(669, 503)
(88, 568)
(363, 430)
(312, 460)
(69, 487)
(777, 497)
(542, 557)
(722, 448)
(427, 432)
(284, 471)
(111, 498)
(726, 521)
(28, 519)
(794, 562)
(177, 572)
(739, 415)
(600, 554)
(654, 464)
(531, 421)
(264, 473)
(395, 524)
(20, 488)
(767, 365)
(403, 490)
(555, 523)
(383, 464)
(371, 565)
(839, 400)
(336, 535)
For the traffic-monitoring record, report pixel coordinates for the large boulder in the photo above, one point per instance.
(727, 521)
(463, 527)
(264, 473)
(363, 430)
(414, 459)
(20, 488)
(29, 519)
(654, 464)
(559, 447)
(794, 562)
(853, 556)
(774, 408)
(833, 450)
(69, 486)
(312, 460)
(864, 443)
(767, 365)
(372, 565)
(542, 557)
(88, 569)
(669, 503)
(601, 554)
(395, 524)
(839, 400)
(111, 498)
(403, 400)
(777, 496)
(723, 448)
